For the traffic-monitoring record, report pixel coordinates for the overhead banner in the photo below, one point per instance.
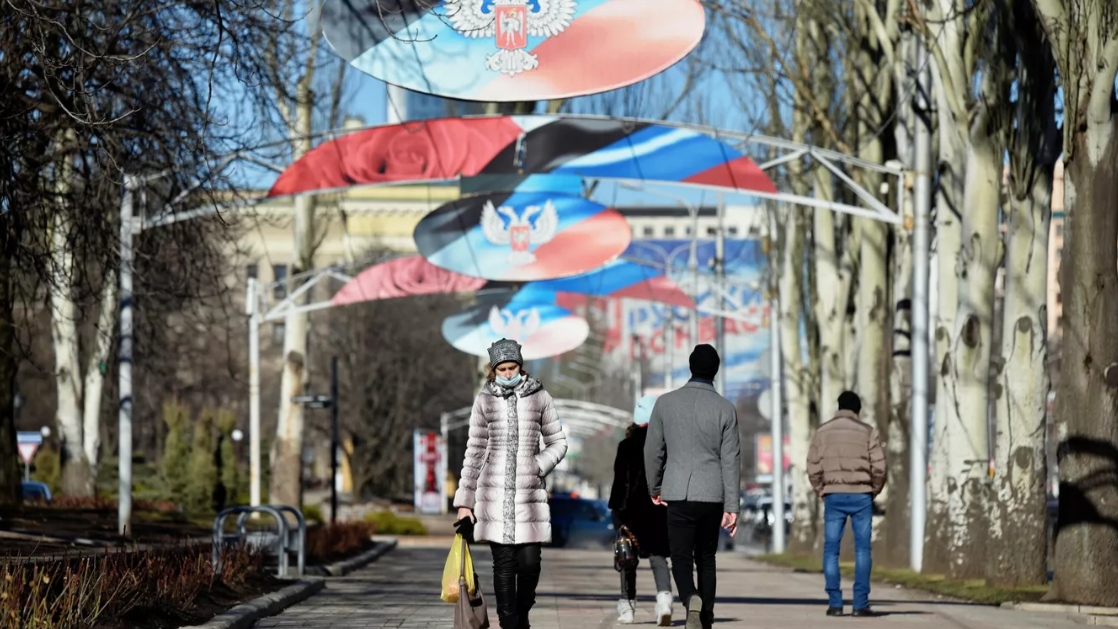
(541, 326)
(403, 277)
(522, 236)
(513, 50)
(506, 152)
(429, 473)
(638, 327)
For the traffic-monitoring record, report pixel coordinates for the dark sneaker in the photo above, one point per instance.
(835, 611)
(865, 612)
(694, 609)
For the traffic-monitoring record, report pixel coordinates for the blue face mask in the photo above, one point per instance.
(509, 382)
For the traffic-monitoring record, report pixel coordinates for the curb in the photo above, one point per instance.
(1098, 616)
(342, 568)
(246, 614)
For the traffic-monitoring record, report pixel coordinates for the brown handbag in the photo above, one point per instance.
(470, 611)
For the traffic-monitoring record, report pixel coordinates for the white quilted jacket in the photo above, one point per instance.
(502, 476)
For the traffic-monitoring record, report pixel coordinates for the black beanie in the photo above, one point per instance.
(704, 362)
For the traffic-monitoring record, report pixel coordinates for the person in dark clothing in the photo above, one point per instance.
(648, 522)
(692, 457)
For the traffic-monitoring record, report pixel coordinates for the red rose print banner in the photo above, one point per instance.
(513, 50)
(403, 277)
(519, 148)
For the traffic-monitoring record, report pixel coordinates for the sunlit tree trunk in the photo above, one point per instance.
(1018, 515)
(1084, 39)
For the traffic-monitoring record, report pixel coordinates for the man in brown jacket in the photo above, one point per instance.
(846, 466)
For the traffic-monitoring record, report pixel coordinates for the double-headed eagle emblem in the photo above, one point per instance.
(514, 325)
(510, 22)
(520, 233)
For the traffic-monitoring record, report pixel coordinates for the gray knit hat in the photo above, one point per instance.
(503, 351)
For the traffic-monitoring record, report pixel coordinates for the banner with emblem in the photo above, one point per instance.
(513, 50)
(536, 321)
(521, 236)
(521, 153)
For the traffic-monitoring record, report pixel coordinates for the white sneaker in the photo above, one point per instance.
(664, 609)
(625, 611)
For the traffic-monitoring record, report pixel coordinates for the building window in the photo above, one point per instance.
(277, 332)
(1059, 230)
(251, 271)
(669, 232)
(712, 231)
(733, 231)
(279, 275)
(648, 231)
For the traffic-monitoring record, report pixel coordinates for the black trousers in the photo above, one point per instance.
(693, 529)
(516, 573)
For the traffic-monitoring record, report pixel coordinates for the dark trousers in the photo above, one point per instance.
(693, 529)
(516, 573)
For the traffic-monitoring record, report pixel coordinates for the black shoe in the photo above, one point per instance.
(865, 612)
(835, 611)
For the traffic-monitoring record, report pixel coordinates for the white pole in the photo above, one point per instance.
(777, 406)
(918, 434)
(719, 274)
(252, 304)
(124, 362)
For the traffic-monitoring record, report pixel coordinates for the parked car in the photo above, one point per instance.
(580, 523)
(34, 491)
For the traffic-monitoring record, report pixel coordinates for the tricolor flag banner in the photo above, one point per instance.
(513, 50)
(521, 236)
(541, 326)
(509, 152)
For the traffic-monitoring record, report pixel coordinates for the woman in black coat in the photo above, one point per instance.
(633, 508)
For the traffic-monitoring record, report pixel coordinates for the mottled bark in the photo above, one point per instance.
(1018, 516)
(287, 448)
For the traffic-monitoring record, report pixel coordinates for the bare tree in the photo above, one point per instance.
(95, 91)
(1083, 35)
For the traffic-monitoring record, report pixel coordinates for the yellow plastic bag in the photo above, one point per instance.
(454, 569)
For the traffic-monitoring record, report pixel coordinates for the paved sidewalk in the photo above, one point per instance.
(579, 591)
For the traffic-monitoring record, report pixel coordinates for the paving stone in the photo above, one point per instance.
(579, 590)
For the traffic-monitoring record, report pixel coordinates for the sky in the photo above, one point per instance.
(365, 97)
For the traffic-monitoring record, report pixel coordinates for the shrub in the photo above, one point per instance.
(335, 540)
(110, 504)
(388, 523)
(226, 422)
(203, 469)
(176, 448)
(77, 593)
(313, 514)
(48, 469)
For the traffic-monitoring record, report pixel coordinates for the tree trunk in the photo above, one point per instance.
(287, 449)
(94, 374)
(832, 286)
(77, 474)
(1018, 516)
(11, 491)
(796, 379)
(1086, 405)
(948, 239)
(1018, 521)
(968, 372)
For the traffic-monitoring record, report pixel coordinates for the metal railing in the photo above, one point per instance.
(283, 541)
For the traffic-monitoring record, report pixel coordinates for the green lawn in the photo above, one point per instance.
(976, 590)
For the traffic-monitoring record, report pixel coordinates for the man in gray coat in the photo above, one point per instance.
(692, 458)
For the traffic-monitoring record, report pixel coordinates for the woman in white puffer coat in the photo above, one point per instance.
(501, 491)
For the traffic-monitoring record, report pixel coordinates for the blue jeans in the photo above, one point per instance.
(836, 508)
